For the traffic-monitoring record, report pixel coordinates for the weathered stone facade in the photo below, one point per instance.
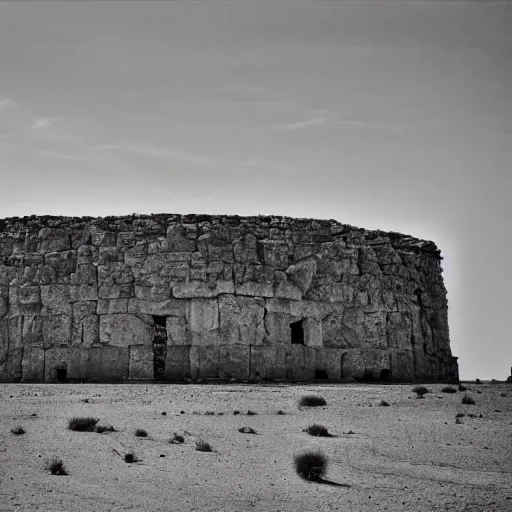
(177, 297)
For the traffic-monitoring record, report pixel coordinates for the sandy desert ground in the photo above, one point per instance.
(410, 456)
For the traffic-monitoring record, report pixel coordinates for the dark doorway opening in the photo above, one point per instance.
(62, 374)
(368, 375)
(160, 321)
(321, 374)
(159, 346)
(385, 375)
(297, 332)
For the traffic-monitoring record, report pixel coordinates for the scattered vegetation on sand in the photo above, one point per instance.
(251, 413)
(56, 467)
(503, 395)
(311, 465)
(203, 446)
(449, 389)
(458, 421)
(85, 424)
(460, 415)
(247, 430)
(18, 431)
(130, 458)
(478, 381)
(177, 439)
(209, 413)
(317, 430)
(100, 429)
(312, 401)
(236, 412)
(281, 413)
(420, 391)
(383, 403)
(140, 432)
(468, 400)
(462, 388)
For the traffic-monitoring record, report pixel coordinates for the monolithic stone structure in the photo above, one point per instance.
(173, 297)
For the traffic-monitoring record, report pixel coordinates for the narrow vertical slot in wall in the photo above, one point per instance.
(159, 346)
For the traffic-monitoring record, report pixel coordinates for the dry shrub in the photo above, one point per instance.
(311, 465)
(83, 424)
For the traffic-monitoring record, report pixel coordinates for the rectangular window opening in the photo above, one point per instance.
(297, 332)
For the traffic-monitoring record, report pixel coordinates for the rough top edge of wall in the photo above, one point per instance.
(34, 223)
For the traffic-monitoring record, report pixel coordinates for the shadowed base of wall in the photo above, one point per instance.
(239, 362)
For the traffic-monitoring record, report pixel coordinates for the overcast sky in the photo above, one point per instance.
(381, 114)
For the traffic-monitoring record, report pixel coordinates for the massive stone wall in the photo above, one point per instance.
(193, 296)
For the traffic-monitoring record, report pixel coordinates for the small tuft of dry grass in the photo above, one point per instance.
(140, 432)
(383, 403)
(468, 400)
(449, 389)
(56, 467)
(203, 446)
(18, 431)
(312, 401)
(317, 430)
(130, 458)
(251, 413)
(420, 391)
(101, 429)
(177, 439)
(247, 430)
(82, 424)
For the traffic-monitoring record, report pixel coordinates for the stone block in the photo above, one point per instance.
(241, 320)
(177, 365)
(234, 361)
(209, 361)
(56, 330)
(10, 365)
(313, 332)
(85, 274)
(32, 331)
(115, 291)
(301, 274)
(29, 295)
(399, 330)
(177, 331)
(78, 363)
(203, 321)
(141, 362)
(336, 333)
(155, 293)
(263, 361)
(15, 331)
(167, 307)
(333, 362)
(108, 363)
(194, 361)
(33, 364)
(112, 306)
(83, 292)
(56, 299)
(53, 239)
(254, 289)
(123, 330)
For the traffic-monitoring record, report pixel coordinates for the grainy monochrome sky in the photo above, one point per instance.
(383, 114)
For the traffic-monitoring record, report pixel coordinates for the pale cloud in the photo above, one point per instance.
(40, 123)
(319, 120)
(301, 125)
(152, 151)
(7, 103)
